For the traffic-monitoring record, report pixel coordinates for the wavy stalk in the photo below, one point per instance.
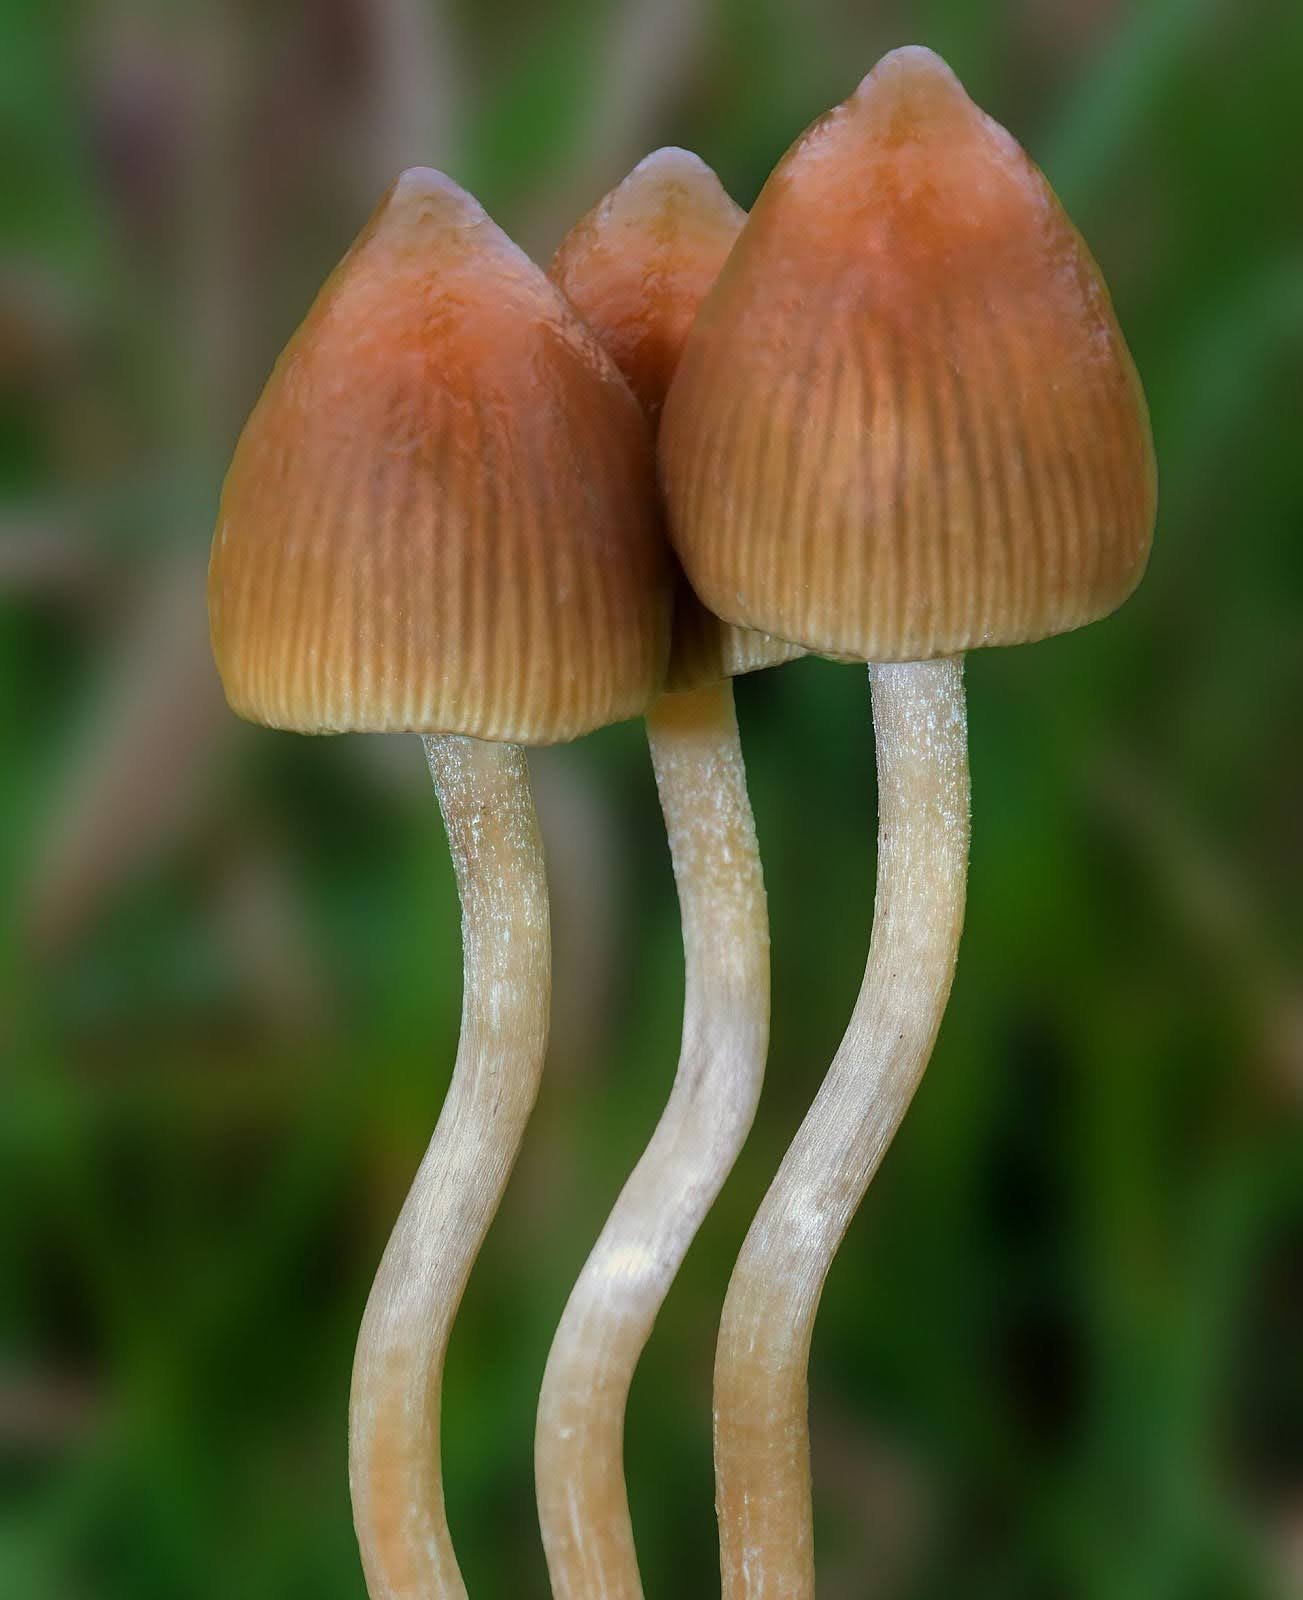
(579, 1445)
(394, 1465)
(762, 1445)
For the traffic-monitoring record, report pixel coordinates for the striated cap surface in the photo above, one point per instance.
(638, 267)
(440, 516)
(906, 423)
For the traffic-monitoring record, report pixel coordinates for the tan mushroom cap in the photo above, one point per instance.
(906, 423)
(637, 267)
(441, 514)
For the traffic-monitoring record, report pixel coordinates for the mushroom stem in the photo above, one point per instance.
(579, 1445)
(762, 1445)
(394, 1466)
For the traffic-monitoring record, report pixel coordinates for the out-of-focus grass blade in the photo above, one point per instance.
(1227, 366)
(1113, 98)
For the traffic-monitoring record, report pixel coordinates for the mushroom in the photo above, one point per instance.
(905, 425)
(440, 518)
(637, 267)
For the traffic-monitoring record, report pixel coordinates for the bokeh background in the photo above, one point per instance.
(1060, 1352)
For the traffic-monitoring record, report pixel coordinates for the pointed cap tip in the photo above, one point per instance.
(911, 61)
(913, 82)
(638, 265)
(909, 68)
(425, 216)
(668, 177)
(421, 194)
(672, 161)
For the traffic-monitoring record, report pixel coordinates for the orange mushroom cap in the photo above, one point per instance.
(906, 423)
(638, 267)
(441, 514)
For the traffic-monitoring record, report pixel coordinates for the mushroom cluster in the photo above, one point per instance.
(889, 417)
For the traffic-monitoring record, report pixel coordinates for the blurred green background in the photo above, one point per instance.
(1060, 1352)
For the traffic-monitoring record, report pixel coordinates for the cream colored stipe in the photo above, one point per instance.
(762, 1445)
(395, 1472)
(579, 1447)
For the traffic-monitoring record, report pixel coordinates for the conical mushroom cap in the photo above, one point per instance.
(906, 423)
(637, 267)
(441, 514)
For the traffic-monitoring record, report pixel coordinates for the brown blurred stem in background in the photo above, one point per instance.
(637, 267)
(904, 425)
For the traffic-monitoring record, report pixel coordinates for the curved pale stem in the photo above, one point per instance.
(579, 1446)
(394, 1466)
(762, 1446)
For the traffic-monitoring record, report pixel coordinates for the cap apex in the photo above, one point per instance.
(424, 194)
(668, 175)
(909, 64)
(911, 77)
(672, 160)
